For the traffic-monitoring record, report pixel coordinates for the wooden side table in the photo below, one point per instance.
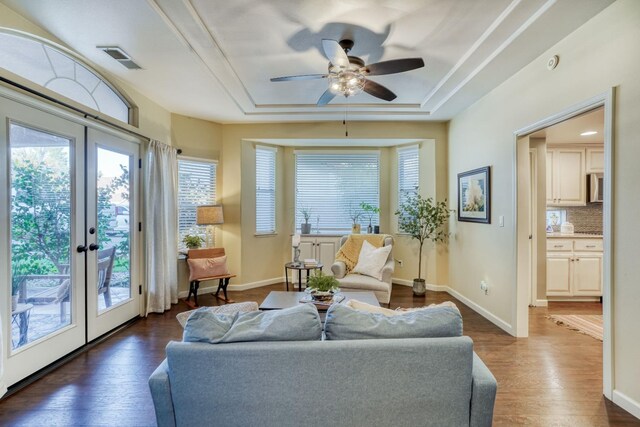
(299, 267)
(20, 318)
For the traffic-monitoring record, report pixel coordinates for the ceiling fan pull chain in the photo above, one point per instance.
(346, 118)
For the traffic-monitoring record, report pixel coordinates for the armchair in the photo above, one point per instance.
(358, 282)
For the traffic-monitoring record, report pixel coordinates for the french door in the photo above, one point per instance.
(112, 230)
(68, 235)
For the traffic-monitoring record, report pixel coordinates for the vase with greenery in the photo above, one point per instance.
(369, 211)
(192, 241)
(423, 219)
(355, 214)
(322, 287)
(305, 227)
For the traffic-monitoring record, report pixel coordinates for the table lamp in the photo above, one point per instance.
(209, 215)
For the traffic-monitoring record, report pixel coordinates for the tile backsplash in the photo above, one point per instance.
(585, 219)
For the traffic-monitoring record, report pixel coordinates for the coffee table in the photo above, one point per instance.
(277, 300)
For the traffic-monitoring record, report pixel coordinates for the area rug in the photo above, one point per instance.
(585, 324)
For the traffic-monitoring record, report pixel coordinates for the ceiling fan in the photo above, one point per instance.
(347, 75)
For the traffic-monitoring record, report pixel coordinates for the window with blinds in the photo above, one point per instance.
(265, 190)
(331, 186)
(408, 173)
(196, 186)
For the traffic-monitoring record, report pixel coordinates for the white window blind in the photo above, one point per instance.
(265, 190)
(408, 173)
(332, 185)
(196, 186)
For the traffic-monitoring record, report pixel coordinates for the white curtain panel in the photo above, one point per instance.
(161, 246)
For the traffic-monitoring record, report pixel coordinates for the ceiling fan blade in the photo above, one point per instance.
(334, 52)
(379, 91)
(300, 77)
(326, 97)
(394, 66)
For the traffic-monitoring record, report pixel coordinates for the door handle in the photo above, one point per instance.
(93, 247)
(81, 248)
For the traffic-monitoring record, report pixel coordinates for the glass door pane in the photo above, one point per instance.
(114, 228)
(112, 200)
(40, 233)
(41, 228)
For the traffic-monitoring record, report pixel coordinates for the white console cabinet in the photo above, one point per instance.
(321, 248)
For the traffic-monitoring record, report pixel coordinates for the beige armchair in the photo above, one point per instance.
(358, 282)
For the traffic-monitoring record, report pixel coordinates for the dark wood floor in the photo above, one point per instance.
(553, 378)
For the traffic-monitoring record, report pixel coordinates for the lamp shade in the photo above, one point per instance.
(209, 215)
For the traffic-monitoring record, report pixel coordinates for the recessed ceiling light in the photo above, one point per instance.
(589, 132)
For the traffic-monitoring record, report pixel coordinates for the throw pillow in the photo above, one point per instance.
(372, 260)
(200, 268)
(345, 323)
(238, 307)
(299, 323)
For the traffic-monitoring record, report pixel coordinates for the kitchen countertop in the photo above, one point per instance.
(573, 236)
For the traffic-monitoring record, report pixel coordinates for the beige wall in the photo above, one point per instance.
(601, 54)
(198, 139)
(257, 259)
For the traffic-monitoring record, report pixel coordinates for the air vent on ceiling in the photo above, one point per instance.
(121, 56)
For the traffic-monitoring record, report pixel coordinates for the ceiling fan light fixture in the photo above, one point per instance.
(346, 81)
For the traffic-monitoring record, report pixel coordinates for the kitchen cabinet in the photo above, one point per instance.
(566, 177)
(574, 267)
(595, 160)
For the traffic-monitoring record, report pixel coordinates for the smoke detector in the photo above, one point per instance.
(120, 55)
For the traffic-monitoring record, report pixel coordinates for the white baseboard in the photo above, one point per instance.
(429, 286)
(626, 403)
(482, 312)
(542, 303)
(234, 287)
(258, 284)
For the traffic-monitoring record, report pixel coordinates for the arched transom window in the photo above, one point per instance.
(50, 67)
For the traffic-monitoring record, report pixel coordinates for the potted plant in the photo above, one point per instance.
(423, 219)
(355, 214)
(370, 211)
(192, 241)
(305, 227)
(322, 287)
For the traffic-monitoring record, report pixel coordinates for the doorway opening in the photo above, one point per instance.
(564, 172)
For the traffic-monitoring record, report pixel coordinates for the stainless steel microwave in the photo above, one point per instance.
(596, 187)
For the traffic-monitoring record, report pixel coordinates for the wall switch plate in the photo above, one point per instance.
(501, 220)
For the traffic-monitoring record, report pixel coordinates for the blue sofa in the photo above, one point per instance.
(377, 382)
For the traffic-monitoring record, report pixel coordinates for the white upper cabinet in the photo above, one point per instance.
(595, 160)
(566, 177)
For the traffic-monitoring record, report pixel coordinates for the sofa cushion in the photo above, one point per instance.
(372, 260)
(363, 306)
(238, 307)
(299, 323)
(360, 282)
(345, 323)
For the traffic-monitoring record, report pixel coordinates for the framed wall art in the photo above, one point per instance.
(474, 196)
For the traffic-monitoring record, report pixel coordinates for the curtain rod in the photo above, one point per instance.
(71, 107)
